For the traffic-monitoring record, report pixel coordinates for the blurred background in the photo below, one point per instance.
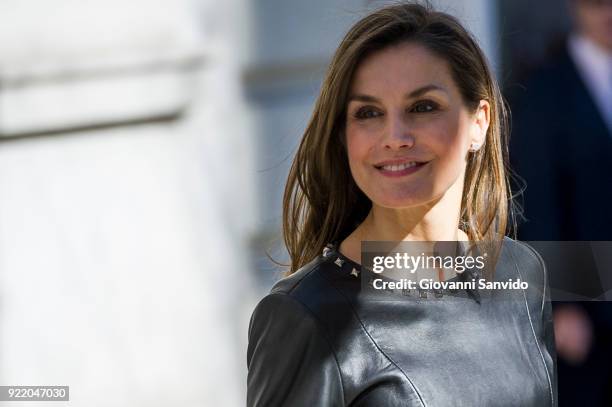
(144, 147)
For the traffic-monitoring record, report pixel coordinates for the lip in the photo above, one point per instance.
(400, 173)
(398, 161)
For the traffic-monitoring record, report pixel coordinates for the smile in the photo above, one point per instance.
(401, 169)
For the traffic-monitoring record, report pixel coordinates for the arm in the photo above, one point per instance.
(290, 360)
(549, 332)
(546, 332)
(534, 271)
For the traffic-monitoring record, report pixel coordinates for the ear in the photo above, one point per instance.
(480, 125)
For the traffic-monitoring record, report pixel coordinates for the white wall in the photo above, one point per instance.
(123, 251)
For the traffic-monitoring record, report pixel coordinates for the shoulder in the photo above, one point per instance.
(316, 286)
(521, 250)
(286, 309)
(304, 276)
(310, 295)
(291, 356)
(527, 263)
(525, 258)
(279, 320)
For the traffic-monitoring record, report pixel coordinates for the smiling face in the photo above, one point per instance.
(408, 131)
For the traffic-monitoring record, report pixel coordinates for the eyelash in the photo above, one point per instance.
(363, 113)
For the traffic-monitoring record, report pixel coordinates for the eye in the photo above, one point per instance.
(424, 106)
(367, 113)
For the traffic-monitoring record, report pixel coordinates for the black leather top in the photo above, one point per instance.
(317, 340)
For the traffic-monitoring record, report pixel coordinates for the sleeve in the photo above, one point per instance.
(290, 360)
(539, 304)
(549, 334)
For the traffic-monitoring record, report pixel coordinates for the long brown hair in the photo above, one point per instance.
(321, 201)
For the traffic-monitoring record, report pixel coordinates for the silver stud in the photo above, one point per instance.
(326, 251)
(355, 272)
(339, 262)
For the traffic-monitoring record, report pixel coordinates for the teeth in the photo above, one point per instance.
(399, 167)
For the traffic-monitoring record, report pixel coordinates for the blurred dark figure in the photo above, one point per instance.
(562, 134)
(584, 353)
(562, 147)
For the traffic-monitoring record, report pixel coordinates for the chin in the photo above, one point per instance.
(400, 201)
(404, 199)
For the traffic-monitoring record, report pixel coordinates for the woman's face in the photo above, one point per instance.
(408, 132)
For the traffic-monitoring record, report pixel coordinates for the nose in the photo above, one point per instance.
(399, 135)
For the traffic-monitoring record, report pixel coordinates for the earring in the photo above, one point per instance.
(474, 147)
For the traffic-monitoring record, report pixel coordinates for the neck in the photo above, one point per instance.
(435, 221)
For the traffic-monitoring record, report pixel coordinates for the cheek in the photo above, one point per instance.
(358, 145)
(450, 144)
(448, 133)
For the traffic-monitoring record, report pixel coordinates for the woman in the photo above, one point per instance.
(406, 143)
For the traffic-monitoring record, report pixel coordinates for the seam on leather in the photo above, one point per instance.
(320, 328)
(315, 267)
(537, 342)
(416, 391)
(544, 271)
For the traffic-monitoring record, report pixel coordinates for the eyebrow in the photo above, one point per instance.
(415, 93)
